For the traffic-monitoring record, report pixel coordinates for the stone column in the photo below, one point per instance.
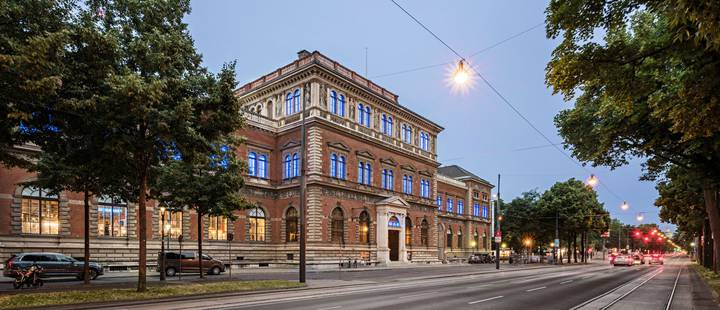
(383, 251)
(402, 251)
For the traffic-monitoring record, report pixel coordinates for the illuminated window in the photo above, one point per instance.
(172, 225)
(341, 105)
(256, 219)
(218, 228)
(449, 238)
(476, 209)
(40, 212)
(333, 102)
(424, 233)
(296, 101)
(296, 165)
(364, 226)
(459, 238)
(291, 225)
(449, 208)
(112, 217)
(408, 231)
(424, 141)
(252, 161)
(393, 222)
(460, 207)
(387, 179)
(439, 201)
(287, 167)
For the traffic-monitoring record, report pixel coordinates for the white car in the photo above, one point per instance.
(626, 260)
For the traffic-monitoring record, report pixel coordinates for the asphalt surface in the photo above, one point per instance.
(594, 286)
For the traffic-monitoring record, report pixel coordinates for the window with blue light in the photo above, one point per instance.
(368, 174)
(424, 188)
(252, 161)
(333, 165)
(337, 166)
(460, 207)
(407, 184)
(393, 222)
(387, 179)
(287, 167)
(296, 165)
(361, 173)
(288, 104)
(361, 114)
(476, 209)
(262, 167)
(341, 105)
(341, 168)
(439, 201)
(485, 212)
(406, 133)
(424, 141)
(384, 124)
(333, 102)
(367, 116)
(296, 101)
(449, 208)
(389, 130)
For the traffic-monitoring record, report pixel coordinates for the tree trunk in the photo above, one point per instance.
(86, 264)
(142, 233)
(582, 247)
(200, 238)
(575, 248)
(710, 193)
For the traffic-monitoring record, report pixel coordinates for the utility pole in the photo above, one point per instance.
(498, 231)
(556, 244)
(301, 222)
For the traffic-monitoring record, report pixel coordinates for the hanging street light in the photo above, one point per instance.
(592, 181)
(461, 76)
(625, 206)
(461, 79)
(640, 217)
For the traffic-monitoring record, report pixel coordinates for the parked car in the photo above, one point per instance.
(188, 262)
(626, 260)
(480, 258)
(656, 259)
(53, 265)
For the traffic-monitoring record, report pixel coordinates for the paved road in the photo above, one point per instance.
(597, 286)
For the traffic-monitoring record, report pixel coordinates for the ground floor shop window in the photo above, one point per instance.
(40, 212)
(217, 229)
(364, 227)
(112, 217)
(424, 233)
(172, 224)
(291, 225)
(256, 219)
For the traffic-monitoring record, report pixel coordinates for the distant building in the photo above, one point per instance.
(374, 190)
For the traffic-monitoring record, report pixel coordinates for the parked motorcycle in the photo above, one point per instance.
(30, 277)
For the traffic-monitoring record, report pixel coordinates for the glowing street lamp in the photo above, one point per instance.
(640, 217)
(461, 76)
(592, 181)
(625, 206)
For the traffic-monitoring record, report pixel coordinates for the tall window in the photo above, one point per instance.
(361, 173)
(368, 174)
(257, 165)
(387, 125)
(408, 231)
(337, 227)
(341, 105)
(439, 201)
(364, 222)
(252, 164)
(256, 219)
(173, 224)
(296, 101)
(424, 140)
(333, 165)
(337, 166)
(367, 116)
(476, 209)
(291, 225)
(112, 217)
(424, 233)
(449, 208)
(218, 228)
(287, 167)
(361, 114)
(288, 104)
(296, 165)
(407, 184)
(387, 179)
(449, 238)
(460, 208)
(477, 239)
(485, 212)
(406, 133)
(425, 188)
(40, 212)
(333, 102)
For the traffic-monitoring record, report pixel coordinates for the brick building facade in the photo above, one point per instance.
(374, 189)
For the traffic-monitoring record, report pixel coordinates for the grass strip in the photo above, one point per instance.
(711, 278)
(45, 299)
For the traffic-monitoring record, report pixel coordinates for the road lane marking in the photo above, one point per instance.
(611, 291)
(585, 277)
(483, 300)
(535, 289)
(566, 282)
(330, 308)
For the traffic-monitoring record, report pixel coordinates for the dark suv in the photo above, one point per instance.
(188, 262)
(53, 265)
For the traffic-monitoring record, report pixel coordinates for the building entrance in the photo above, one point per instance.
(394, 244)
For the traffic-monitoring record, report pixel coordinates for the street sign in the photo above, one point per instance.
(605, 235)
(557, 243)
(498, 239)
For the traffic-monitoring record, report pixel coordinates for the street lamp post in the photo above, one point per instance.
(499, 233)
(162, 244)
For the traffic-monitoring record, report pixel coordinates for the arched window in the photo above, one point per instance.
(337, 226)
(112, 217)
(296, 101)
(296, 165)
(288, 104)
(403, 132)
(409, 135)
(408, 231)
(341, 168)
(367, 116)
(361, 114)
(460, 206)
(459, 239)
(252, 161)
(287, 168)
(364, 227)
(256, 219)
(393, 222)
(424, 233)
(291, 225)
(262, 166)
(424, 141)
(449, 208)
(40, 211)
(390, 126)
(333, 165)
(449, 238)
(384, 124)
(477, 240)
(341, 106)
(368, 174)
(333, 102)
(476, 209)
(172, 225)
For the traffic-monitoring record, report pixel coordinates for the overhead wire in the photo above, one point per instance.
(505, 100)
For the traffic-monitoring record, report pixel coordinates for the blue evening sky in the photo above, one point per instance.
(481, 134)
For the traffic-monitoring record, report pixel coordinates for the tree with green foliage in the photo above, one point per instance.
(160, 101)
(646, 89)
(520, 220)
(33, 39)
(210, 186)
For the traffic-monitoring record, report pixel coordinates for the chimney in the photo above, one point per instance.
(302, 54)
